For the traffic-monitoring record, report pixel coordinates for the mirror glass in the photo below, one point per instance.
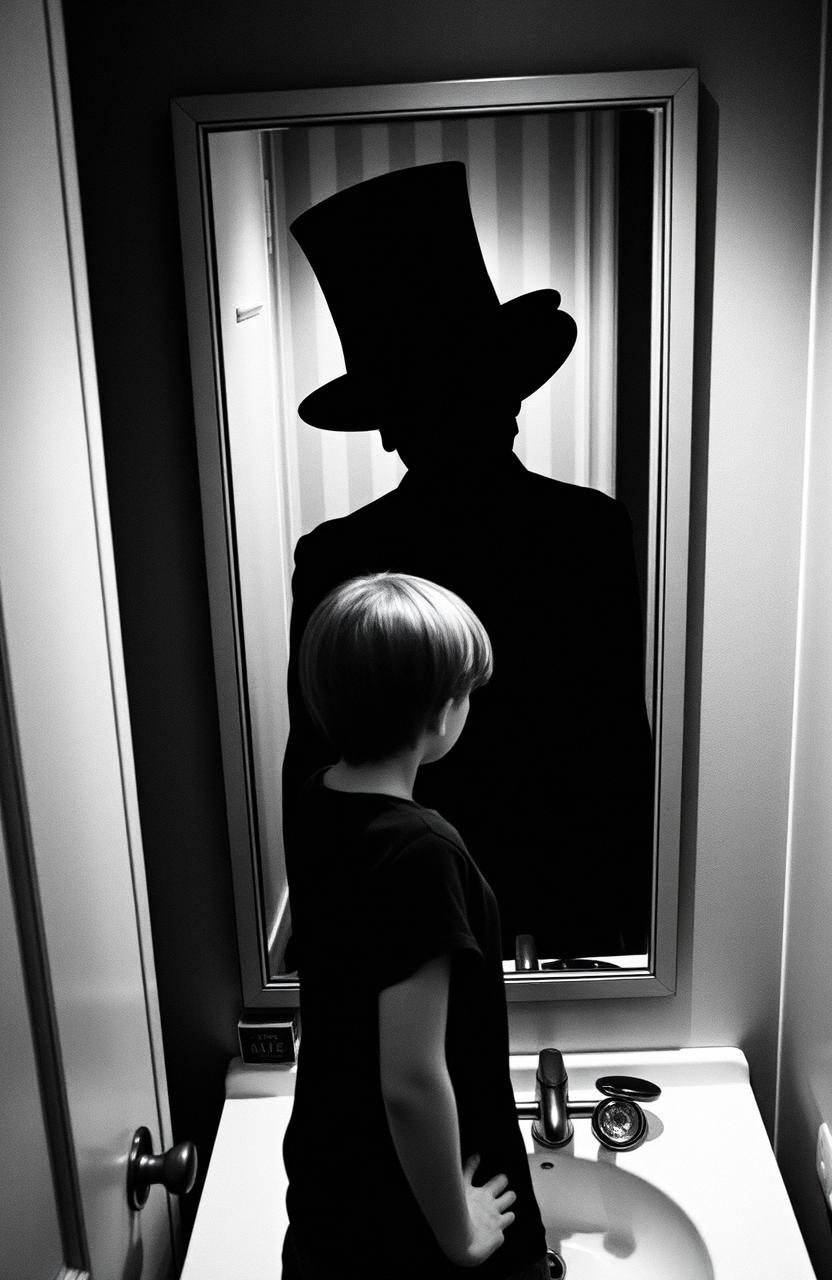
(556, 784)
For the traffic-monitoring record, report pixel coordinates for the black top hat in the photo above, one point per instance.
(420, 324)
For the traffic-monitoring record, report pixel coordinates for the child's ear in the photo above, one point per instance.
(441, 722)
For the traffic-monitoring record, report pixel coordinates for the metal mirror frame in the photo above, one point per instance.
(674, 93)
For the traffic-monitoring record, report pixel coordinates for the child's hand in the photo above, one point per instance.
(488, 1211)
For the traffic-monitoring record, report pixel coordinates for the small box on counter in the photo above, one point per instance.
(270, 1036)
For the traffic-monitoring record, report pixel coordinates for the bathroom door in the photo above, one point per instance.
(82, 1066)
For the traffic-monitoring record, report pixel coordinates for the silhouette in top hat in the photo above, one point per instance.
(551, 786)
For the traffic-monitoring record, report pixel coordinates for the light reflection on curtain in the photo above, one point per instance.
(543, 196)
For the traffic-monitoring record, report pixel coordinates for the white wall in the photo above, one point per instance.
(759, 82)
(806, 1082)
(759, 95)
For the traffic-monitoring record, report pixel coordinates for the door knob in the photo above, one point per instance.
(174, 1169)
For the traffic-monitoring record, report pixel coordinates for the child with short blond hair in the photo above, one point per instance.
(404, 1155)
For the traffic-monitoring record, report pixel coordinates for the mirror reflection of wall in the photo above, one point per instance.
(560, 198)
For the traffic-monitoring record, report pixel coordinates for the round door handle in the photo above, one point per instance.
(175, 1169)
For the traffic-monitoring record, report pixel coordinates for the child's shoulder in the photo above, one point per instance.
(411, 830)
(415, 818)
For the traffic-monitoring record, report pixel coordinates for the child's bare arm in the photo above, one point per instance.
(468, 1221)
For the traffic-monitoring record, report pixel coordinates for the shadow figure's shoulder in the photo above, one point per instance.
(350, 539)
(561, 499)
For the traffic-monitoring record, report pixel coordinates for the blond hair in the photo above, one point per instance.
(383, 652)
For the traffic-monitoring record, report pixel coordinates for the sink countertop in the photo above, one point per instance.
(706, 1148)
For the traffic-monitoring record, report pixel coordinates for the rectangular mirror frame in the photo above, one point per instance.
(675, 94)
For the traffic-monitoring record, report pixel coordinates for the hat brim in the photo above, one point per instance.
(533, 336)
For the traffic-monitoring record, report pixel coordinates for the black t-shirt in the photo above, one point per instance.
(379, 886)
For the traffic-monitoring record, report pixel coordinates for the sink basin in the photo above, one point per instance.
(608, 1224)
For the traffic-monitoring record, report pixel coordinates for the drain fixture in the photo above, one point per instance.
(618, 1123)
(557, 1266)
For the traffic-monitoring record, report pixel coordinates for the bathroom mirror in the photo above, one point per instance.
(585, 184)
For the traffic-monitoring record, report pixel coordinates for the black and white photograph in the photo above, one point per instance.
(415, 618)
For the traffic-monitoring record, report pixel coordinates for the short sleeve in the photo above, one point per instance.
(416, 910)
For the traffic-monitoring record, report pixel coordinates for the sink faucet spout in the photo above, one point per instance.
(552, 1127)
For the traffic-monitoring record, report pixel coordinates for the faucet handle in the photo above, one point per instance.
(628, 1087)
(550, 1068)
(525, 953)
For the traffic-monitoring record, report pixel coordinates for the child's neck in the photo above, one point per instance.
(393, 776)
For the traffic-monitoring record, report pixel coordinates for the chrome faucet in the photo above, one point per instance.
(550, 1109)
(525, 953)
(618, 1122)
(553, 1126)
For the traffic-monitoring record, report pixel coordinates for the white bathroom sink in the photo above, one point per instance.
(700, 1199)
(608, 1224)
